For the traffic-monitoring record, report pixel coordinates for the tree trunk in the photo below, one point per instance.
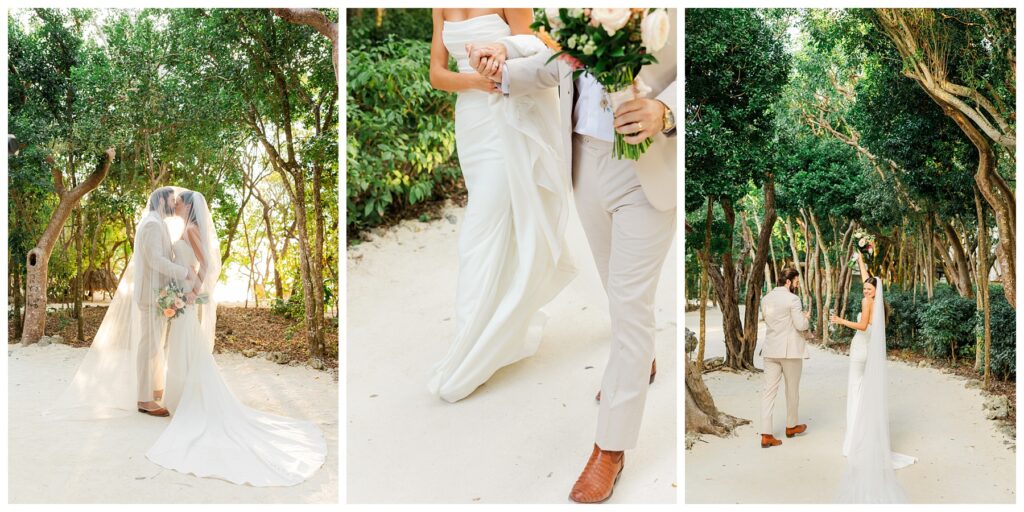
(38, 259)
(755, 280)
(79, 274)
(702, 417)
(983, 282)
(828, 282)
(702, 340)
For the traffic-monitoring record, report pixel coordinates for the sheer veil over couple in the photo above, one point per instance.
(527, 133)
(869, 476)
(153, 353)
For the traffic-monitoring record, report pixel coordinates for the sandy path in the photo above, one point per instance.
(961, 456)
(524, 436)
(104, 461)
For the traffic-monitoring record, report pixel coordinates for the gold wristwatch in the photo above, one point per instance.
(668, 120)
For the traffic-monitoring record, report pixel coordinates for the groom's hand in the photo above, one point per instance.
(190, 297)
(639, 119)
(488, 59)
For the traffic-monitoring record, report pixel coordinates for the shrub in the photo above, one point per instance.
(401, 136)
(904, 323)
(947, 325)
(362, 26)
(292, 308)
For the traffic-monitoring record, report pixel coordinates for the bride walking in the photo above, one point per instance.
(512, 251)
(870, 475)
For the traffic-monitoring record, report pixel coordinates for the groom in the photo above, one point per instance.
(627, 210)
(154, 270)
(784, 352)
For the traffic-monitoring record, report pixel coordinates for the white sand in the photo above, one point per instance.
(962, 458)
(524, 436)
(104, 461)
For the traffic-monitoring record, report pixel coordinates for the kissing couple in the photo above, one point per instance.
(153, 353)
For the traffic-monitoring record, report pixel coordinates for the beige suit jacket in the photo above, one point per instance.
(784, 319)
(529, 70)
(153, 266)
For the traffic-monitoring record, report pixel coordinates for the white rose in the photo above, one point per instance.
(611, 19)
(554, 19)
(576, 12)
(654, 30)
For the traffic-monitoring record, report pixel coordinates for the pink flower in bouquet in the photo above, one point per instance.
(611, 20)
(169, 312)
(573, 62)
(178, 303)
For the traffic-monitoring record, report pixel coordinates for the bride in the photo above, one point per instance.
(870, 475)
(211, 433)
(513, 257)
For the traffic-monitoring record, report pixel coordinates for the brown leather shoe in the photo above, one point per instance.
(596, 483)
(768, 440)
(799, 429)
(161, 412)
(654, 371)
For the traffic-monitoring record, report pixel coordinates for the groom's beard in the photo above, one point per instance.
(794, 289)
(168, 209)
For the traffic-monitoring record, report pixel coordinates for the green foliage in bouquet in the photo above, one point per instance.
(613, 59)
(610, 46)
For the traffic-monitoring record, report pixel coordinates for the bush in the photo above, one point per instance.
(947, 325)
(904, 323)
(292, 308)
(401, 135)
(363, 31)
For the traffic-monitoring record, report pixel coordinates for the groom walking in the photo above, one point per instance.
(627, 210)
(784, 352)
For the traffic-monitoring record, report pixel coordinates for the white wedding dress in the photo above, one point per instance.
(869, 476)
(211, 433)
(513, 257)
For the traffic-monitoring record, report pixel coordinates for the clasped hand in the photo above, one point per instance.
(637, 119)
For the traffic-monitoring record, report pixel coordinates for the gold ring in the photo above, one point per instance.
(639, 127)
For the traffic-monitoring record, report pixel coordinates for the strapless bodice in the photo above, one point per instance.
(478, 30)
(183, 254)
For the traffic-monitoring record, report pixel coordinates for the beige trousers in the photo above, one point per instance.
(151, 359)
(775, 370)
(629, 240)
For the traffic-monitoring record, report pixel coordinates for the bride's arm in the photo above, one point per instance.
(444, 79)
(863, 266)
(865, 317)
(192, 236)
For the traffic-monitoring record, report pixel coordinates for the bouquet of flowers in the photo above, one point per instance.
(611, 45)
(171, 300)
(865, 242)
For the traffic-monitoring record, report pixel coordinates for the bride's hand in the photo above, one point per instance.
(834, 319)
(484, 84)
(488, 59)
